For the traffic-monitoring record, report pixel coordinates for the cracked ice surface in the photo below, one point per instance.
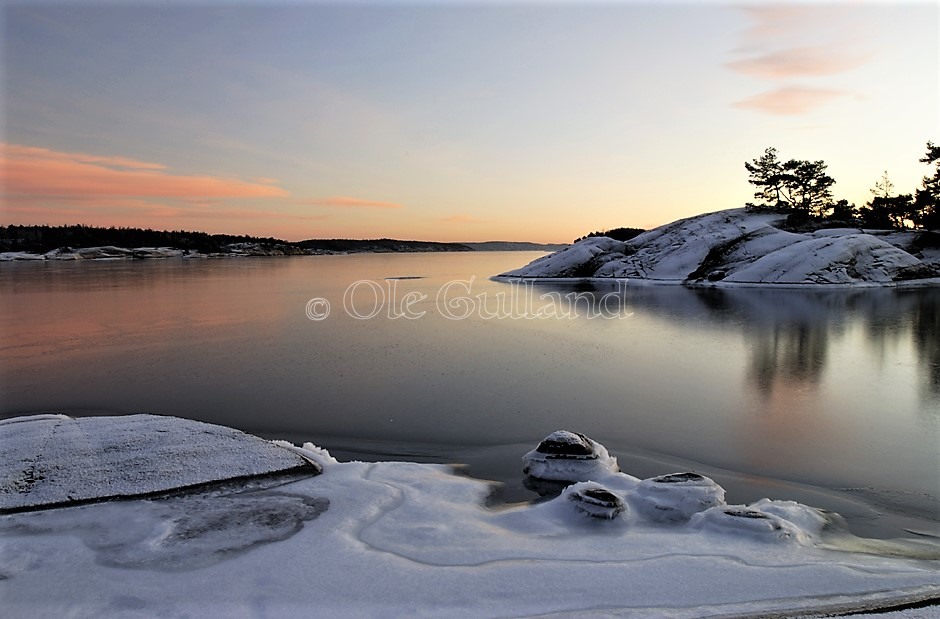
(404, 539)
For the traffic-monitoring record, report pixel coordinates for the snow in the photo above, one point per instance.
(397, 539)
(108, 252)
(125, 456)
(737, 247)
(568, 456)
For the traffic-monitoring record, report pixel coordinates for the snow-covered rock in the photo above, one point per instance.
(594, 500)
(568, 456)
(54, 460)
(676, 497)
(743, 521)
(741, 247)
(19, 256)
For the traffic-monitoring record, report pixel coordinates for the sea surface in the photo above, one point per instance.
(831, 398)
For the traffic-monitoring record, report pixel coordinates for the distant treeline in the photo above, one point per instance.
(41, 239)
(378, 245)
(619, 234)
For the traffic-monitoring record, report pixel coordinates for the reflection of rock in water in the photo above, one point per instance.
(790, 329)
(926, 331)
(794, 354)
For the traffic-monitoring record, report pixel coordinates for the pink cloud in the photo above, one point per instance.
(18, 150)
(799, 62)
(790, 100)
(787, 41)
(773, 22)
(71, 211)
(347, 202)
(32, 171)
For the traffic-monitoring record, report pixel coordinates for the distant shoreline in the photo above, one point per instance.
(19, 243)
(245, 250)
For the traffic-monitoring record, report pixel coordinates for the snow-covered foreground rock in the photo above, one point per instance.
(394, 539)
(741, 248)
(52, 460)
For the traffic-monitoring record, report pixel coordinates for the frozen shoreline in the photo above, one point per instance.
(402, 539)
(869, 513)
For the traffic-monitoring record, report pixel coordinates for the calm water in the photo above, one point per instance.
(831, 398)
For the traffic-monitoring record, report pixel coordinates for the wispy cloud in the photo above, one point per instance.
(783, 24)
(790, 100)
(798, 42)
(35, 152)
(33, 171)
(129, 211)
(348, 202)
(808, 61)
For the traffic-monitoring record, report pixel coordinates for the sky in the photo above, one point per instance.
(448, 121)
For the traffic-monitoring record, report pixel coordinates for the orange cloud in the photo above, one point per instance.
(790, 100)
(45, 153)
(799, 62)
(347, 202)
(60, 211)
(32, 171)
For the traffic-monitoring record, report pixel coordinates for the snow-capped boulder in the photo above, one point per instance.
(676, 497)
(740, 247)
(594, 500)
(749, 522)
(744, 522)
(568, 456)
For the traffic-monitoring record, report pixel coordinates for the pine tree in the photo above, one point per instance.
(927, 199)
(768, 175)
(809, 186)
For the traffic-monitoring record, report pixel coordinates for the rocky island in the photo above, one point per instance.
(744, 247)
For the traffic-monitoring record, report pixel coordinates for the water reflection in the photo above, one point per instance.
(926, 332)
(832, 388)
(797, 354)
(789, 332)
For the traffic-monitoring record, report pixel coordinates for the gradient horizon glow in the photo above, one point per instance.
(448, 121)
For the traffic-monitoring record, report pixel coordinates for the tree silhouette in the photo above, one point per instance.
(795, 184)
(809, 185)
(883, 187)
(927, 198)
(768, 175)
(888, 211)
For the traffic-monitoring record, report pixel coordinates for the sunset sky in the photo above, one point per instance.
(448, 121)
